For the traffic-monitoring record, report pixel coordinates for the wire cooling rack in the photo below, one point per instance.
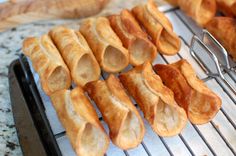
(211, 64)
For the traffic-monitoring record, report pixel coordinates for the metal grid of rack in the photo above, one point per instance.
(217, 137)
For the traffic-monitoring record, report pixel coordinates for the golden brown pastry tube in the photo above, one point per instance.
(133, 38)
(125, 124)
(227, 7)
(80, 121)
(77, 54)
(224, 30)
(199, 102)
(173, 2)
(202, 11)
(155, 100)
(158, 27)
(48, 63)
(106, 45)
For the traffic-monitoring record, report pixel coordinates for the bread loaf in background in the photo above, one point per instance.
(18, 12)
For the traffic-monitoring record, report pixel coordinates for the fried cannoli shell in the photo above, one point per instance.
(173, 2)
(80, 121)
(77, 54)
(158, 27)
(224, 30)
(227, 7)
(105, 44)
(199, 102)
(47, 62)
(133, 38)
(202, 11)
(125, 124)
(155, 100)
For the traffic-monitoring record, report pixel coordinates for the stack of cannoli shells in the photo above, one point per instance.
(109, 43)
(199, 102)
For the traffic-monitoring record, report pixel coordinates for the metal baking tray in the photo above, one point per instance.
(41, 133)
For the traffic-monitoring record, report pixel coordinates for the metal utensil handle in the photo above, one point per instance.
(217, 43)
(215, 59)
(21, 57)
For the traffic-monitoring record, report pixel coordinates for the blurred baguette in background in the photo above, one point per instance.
(16, 12)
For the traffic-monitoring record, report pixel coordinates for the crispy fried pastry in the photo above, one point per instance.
(77, 55)
(227, 7)
(202, 11)
(48, 63)
(133, 38)
(155, 100)
(125, 124)
(158, 27)
(105, 44)
(224, 30)
(199, 102)
(80, 121)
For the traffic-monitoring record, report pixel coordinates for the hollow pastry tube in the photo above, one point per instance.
(133, 38)
(124, 122)
(158, 27)
(81, 122)
(105, 44)
(199, 102)
(155, 100)
(77, 55)
(48, 63)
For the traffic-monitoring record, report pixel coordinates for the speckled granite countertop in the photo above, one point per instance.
(10, 42)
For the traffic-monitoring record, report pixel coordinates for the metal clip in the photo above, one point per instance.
(215, 59)
(222, 49)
